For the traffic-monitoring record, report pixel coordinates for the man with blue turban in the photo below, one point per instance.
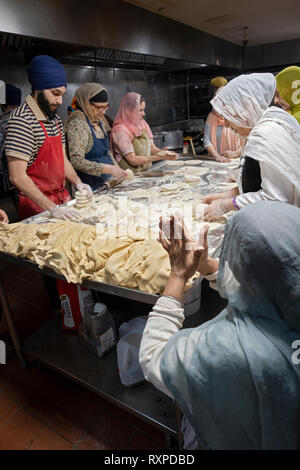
(35, 145)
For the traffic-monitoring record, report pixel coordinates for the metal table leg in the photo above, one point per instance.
(11, 325)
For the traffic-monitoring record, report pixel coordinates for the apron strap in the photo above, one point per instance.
(104, 133)
(44, 129)
(93, 130)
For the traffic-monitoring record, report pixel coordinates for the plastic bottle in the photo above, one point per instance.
(102, 331)
(185, 149)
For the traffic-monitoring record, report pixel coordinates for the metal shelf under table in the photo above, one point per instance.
(63, 352)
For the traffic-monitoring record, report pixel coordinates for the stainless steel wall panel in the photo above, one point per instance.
(165, 99)
(147, 33)
(70, 21)
(273, 55)
(115, 25)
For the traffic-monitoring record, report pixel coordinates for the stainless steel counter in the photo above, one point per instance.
(216, 179)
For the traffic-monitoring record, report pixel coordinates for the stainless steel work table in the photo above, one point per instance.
(63, 352)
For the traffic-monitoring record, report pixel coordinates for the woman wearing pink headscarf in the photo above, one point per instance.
(131, 137)
(220, 142)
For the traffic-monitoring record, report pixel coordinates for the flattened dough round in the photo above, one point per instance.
(174, 163)
(163, 153)
(193, 162)
(171, 187)
(190, 178)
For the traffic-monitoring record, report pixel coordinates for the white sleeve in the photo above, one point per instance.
(164, 320)
(274, 187)
(212, 279)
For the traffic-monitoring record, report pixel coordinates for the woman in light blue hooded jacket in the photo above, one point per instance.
(236, 378)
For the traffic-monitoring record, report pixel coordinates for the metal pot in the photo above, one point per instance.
(173, 139)
(158, 139)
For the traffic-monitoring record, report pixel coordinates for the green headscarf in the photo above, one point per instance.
(288, 85)
(218, 82)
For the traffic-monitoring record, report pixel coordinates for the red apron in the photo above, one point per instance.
(48, 173)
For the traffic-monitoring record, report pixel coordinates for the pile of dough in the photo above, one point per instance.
(82, 199)
(79, 252)
(130, 174)
(122, 249)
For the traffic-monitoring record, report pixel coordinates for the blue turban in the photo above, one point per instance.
(45, 73)
(12, 95)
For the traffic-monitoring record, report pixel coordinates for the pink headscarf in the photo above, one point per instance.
(128, 117)
(229, 140)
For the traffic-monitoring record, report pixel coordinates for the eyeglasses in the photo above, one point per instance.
(100, 108)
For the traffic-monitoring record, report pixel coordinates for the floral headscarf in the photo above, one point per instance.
(245, 98)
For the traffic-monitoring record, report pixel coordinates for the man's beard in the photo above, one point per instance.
(45, 106)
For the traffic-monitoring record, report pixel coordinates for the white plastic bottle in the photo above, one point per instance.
(185, 149)
(102, 329)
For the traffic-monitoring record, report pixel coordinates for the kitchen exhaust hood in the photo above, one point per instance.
(68, 27)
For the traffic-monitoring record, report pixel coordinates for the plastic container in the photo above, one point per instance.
(76, 302)
(185, 149)
(98, 332)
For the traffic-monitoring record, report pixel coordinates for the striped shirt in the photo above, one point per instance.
(24, 135)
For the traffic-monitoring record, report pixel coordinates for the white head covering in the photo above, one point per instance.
(275, 141)
(245, 98)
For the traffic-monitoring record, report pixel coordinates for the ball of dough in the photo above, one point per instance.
(130, 174)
